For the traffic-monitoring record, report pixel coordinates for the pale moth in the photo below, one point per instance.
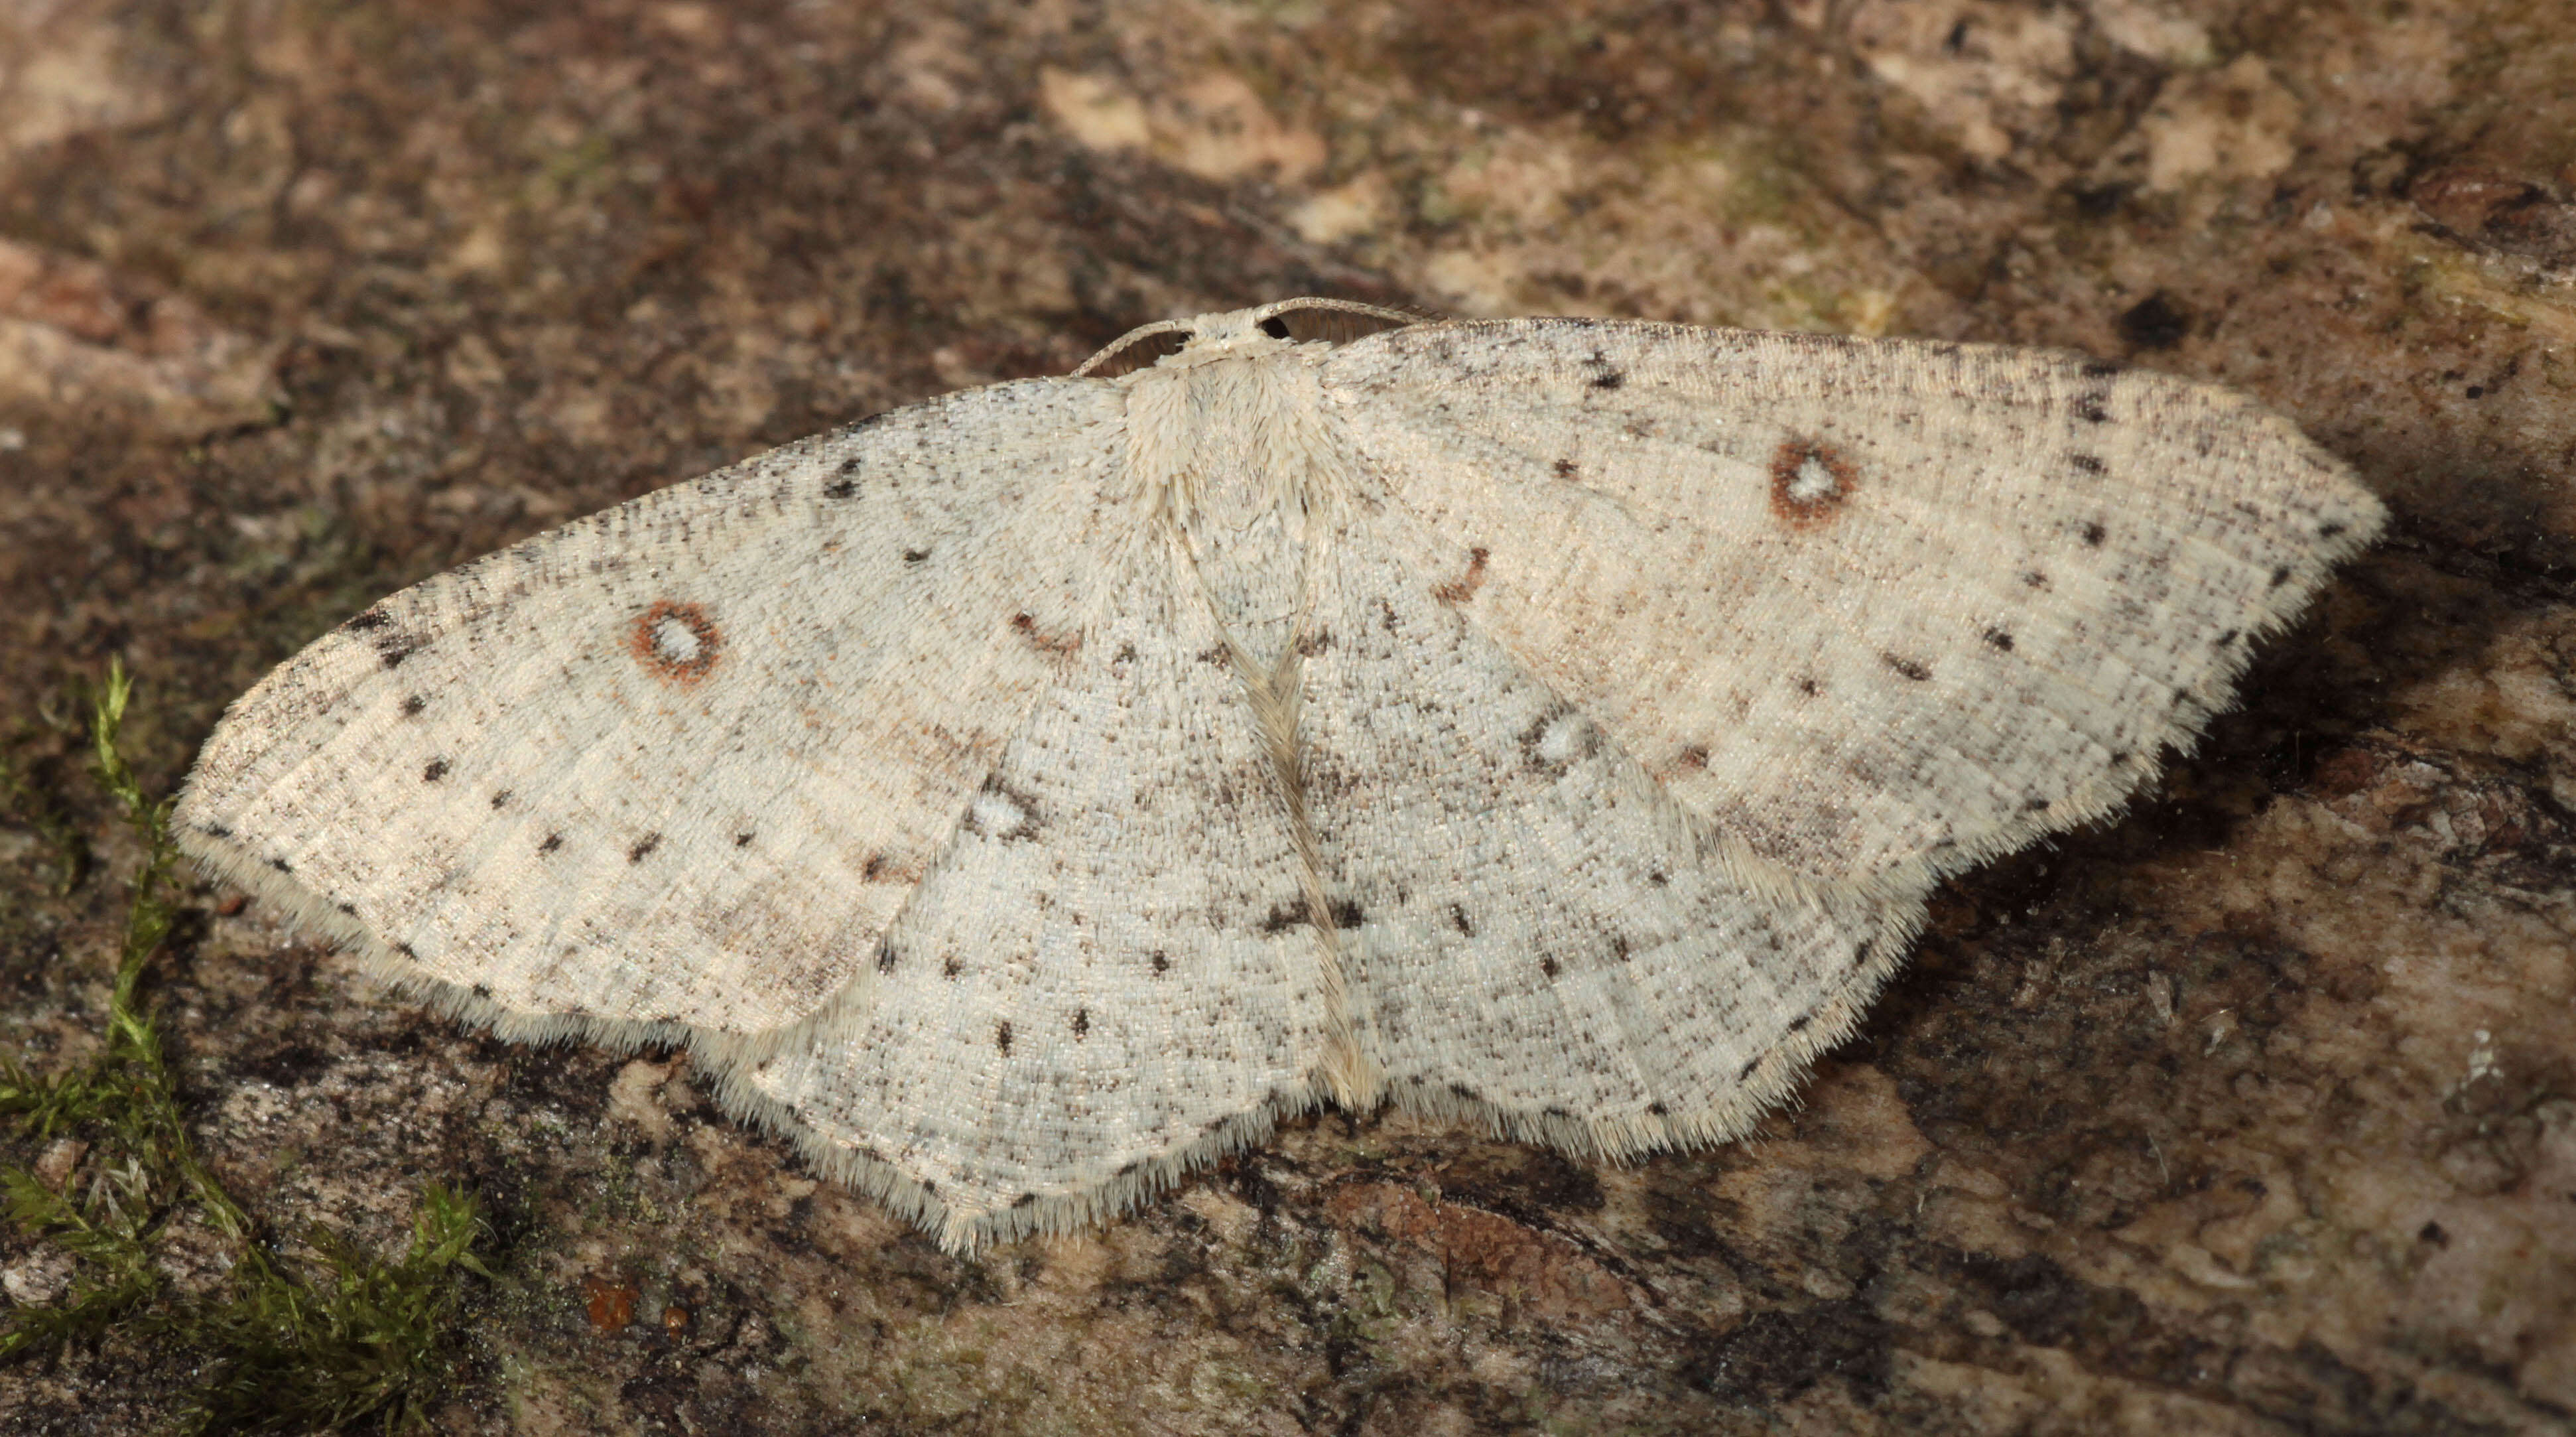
(1026, 796)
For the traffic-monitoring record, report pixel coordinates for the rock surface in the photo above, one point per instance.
(2254, 1112)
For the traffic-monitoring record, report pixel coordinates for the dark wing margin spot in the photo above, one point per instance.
(378, 627)
(391, 645)
(1914, 669)
(436, 770)
(2092, 535)
(1998, 639)
(643, 846)
(553, 842)
(1466, 585)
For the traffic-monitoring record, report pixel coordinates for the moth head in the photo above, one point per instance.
(1262, 329)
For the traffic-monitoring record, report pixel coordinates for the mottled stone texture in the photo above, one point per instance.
(2253, 1113)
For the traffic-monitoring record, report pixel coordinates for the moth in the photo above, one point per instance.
(1026, 796)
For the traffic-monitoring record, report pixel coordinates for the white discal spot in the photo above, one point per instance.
(996, 814)
(676, 642)
(1813, 482)
(1554, 725)
(1560, 740)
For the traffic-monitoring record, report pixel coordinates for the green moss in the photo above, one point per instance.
(350, 1340)
(362, 1340)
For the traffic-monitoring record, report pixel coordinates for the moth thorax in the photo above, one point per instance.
(1228, 452)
